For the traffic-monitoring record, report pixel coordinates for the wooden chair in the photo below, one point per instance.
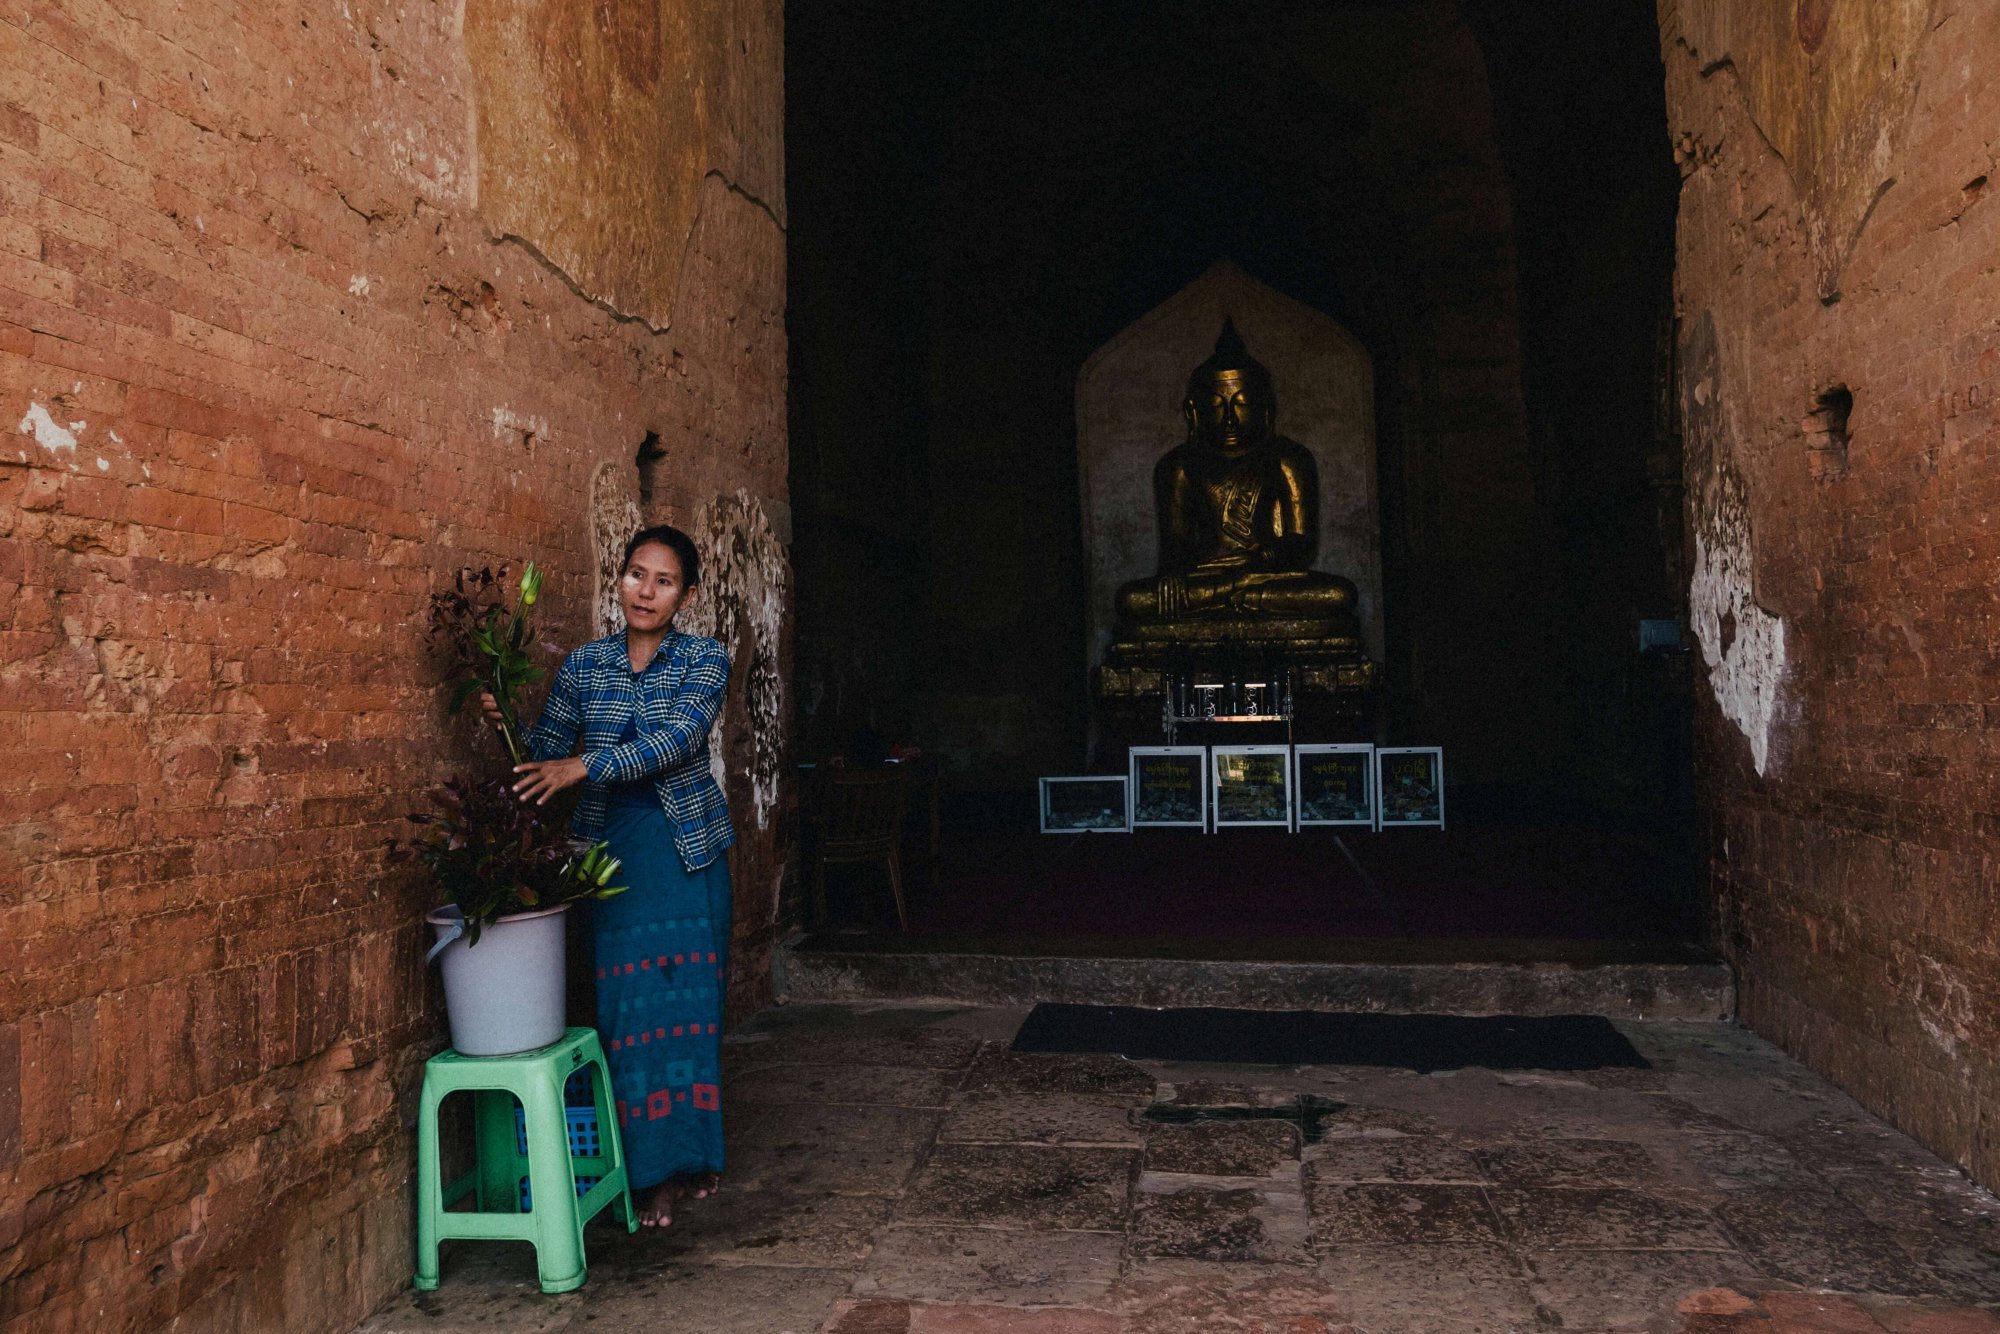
(859, 818)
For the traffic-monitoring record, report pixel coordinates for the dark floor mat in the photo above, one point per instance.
(1420, 1042)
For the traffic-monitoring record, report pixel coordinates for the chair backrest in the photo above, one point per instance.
(860, 807)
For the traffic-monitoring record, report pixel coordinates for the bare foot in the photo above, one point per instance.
(656, 1206)
(705, 1185)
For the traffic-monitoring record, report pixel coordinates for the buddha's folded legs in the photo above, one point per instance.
(1291, 594)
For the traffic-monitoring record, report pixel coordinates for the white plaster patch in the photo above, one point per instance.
(614, 517)
(1743, 645)
(358, 285)
(745, 575)
(48, 433)
(508, 422)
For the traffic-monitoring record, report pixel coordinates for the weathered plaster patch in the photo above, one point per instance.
(48, 433)
(1743, 645)
(614, 517)
(744, 578)
(519, 425)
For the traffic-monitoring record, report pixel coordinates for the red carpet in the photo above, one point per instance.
(1470, 882)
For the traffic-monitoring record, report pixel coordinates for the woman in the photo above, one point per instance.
(641, 703)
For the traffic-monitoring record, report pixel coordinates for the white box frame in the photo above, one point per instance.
(1200, 756)
(1370, 777)
(1215, 756)
(1124, 806)
(1382, 820)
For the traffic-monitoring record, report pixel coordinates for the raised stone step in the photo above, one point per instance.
(1620, 980)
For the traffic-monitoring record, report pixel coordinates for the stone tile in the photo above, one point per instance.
(1816, 1313)
(1633, 1289)
(1819, 1240)
(1220, 1093)
(1196, 1297)
(1040, 1118)
(1223, 1148)
(1644, 1081)
(1524, 1115)
(836, 1044)
(869, 1316)
(484, 1286)
(1008, 1320)
(999, 1070)
(1403, 1158)
(1921, 1199)
(1024, 1185)
(1925, 1318)
(1447, 1289)
(1224, 1224)
(876, 1316)
(1605, 1220)
(1357, 1120)
(988, 1023)
(973, 1264)
(808, 1126)
(1569, 1162)
(1386, 1214)
(739, 1124)
(1945, 1221)
(1689, 1118)
(1965, 1258)
(1737, 1160)
(1838, 1145)
(763, 1227)
(717, 1299)
(877, 1085)
(795, 1171)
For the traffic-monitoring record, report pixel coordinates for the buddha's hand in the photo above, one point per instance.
(542, 779)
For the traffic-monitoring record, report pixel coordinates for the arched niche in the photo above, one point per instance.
(1128, 413)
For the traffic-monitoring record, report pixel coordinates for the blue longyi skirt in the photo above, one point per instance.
(661, 954)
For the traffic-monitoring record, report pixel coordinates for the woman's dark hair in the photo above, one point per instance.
(673, 538)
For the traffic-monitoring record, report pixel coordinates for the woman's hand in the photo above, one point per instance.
(491, 708)
(545, 778)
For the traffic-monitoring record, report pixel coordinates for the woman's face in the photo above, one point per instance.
(651, 590)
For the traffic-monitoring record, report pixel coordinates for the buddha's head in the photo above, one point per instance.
(1230, 404)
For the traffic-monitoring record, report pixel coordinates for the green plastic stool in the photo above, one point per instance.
(555, 1222)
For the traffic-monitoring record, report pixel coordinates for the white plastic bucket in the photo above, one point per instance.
(505, 994)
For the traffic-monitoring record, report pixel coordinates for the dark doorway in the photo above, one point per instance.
(981, 195)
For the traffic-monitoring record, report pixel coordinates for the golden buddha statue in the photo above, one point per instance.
(1238, 509)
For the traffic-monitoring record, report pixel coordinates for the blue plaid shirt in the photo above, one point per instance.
(677, 698)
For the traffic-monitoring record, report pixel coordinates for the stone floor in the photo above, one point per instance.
(899, 1169)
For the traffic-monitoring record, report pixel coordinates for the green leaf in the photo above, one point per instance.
(464, 691)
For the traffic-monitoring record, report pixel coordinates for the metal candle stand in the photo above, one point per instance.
(1186, 702)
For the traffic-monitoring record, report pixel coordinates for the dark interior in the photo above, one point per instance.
(1483, 193)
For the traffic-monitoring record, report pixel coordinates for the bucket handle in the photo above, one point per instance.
(452, 931)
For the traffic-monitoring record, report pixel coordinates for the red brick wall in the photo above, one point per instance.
(1852, 863)
(275, 378)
